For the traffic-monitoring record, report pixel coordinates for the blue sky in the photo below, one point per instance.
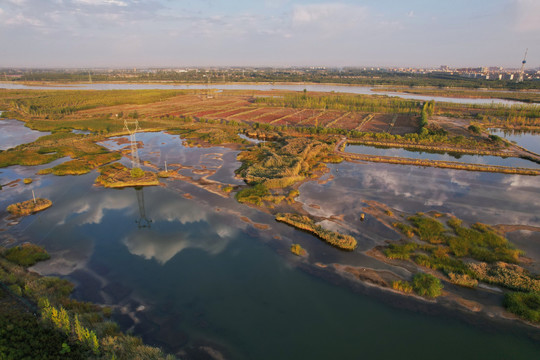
(118, 33)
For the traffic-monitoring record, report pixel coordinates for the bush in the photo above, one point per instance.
(26, 254)
(403, 286)
(137, 173)
(427, 285)
(524, 305)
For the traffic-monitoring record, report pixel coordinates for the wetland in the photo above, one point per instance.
(191, 268)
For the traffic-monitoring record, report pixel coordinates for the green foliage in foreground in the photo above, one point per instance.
(524, 305)
(427, 285)
(26, 254)
(68, 328)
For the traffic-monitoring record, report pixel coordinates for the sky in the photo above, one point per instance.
(279, 33)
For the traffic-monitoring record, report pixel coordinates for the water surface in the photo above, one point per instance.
(13, 133)
(192, 272)
(430, 155)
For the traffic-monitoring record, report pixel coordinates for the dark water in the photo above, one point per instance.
(13, 133)
(417, 154)
(199, 275)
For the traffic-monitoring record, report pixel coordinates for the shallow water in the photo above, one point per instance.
(193, 273)
(13, 133)
(528, 140)
(418, 154)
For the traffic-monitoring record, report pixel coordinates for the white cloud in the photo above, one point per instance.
(528, 15)
(102, 2)
(336, 14)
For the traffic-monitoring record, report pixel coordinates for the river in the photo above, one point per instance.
(352, 89)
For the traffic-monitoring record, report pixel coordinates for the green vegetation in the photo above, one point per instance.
(26, 254)
(346, 102)
(87, 155)
(282, 164)
(403, 286)
(27, 181)
(298, 250)
(427, 285)
(137, 173)
(63, 327)
(57, 103)
(447, 248)
(29, 207)
(253, 195)
(401, 252)
(511, 276)
(525, 305)
(345, 242)
(117, 175)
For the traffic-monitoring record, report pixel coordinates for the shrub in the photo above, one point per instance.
(427, 285)
(26, 254)
(298, 250)
(403, 286)
(137, 173)
(525, 305)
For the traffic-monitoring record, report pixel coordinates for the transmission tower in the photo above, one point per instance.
(522, 71)
(132, 127)
(143, 221)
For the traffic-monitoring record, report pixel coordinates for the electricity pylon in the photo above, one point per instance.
(132, 127)
(143, 221)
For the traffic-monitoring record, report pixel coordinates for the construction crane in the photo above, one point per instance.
(522, 71)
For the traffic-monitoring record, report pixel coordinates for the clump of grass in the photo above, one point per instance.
(406, 229)
(401, 252)
(524, 305)
(298, 250)
(26, 254)
(29, 207)
(27, 181)
(253, 195)
(345, 242)
(137, 173)
(508, 275)
(463, 280)
(427, 285)
(428, 229)
(403, 286)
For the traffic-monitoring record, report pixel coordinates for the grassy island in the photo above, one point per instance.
(344, 242)
(29, 207)
(298, 250)
(466, 256)
(117, 175)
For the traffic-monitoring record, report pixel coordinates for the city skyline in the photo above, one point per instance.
(276, 33)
